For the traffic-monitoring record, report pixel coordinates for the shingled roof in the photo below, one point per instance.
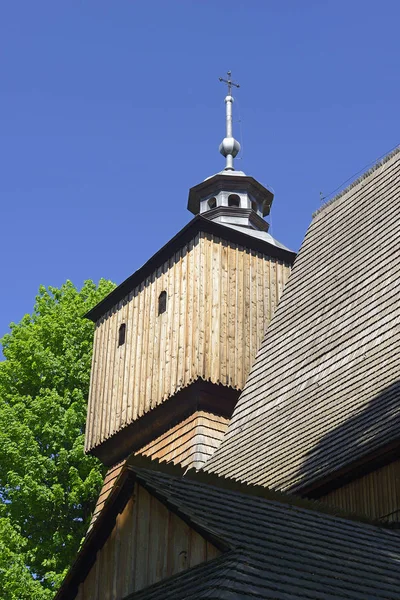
(273, 546)
(324, 391)
(277, 550)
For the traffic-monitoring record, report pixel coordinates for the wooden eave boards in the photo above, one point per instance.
(324, 390)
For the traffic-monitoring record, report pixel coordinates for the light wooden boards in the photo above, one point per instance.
(376, 495)
(190, 443)
(148, 543)
(220, 299)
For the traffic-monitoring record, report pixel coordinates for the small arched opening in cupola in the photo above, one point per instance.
(233, 200)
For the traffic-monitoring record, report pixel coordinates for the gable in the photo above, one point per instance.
(190, 443)
(281, 548)
(272, 543)
(324, 390)
(148, 543)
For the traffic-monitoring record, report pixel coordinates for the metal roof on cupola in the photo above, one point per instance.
(231, 197)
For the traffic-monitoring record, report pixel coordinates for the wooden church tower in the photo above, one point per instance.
(174, 343)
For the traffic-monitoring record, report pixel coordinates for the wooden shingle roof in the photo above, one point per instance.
(324, 391)
(273, 545)
(275, 549)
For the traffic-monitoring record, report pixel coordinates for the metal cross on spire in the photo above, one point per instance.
(229, 147)
(229, 82)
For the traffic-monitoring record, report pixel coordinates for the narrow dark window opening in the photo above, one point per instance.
(254, 206)
(233, 200)
(162, 303)
(212, 203)
(121, 334)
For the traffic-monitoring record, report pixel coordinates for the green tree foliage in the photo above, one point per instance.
(48, 487)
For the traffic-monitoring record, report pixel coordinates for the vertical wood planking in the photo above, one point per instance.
(212, 551)
(207, 274)
(178, 545)
(127, 539)
(175, 323)
(220, 298)
(80, 595)
(198, 549)
(91, 409)
(98, 401)
(182, 349)
(189, 315)
(169, 340)
(119, 367)
(159, 341)
(134, 356)
(158, 540)
(147, 347)
(142, 538)
(147, 544)
(239, 341)
(126, 400)
(195, 351)
(376, 495)
(223, 314)
(106, 557)
(110, 370)
(104, 425)
(247, 318)
(215, 323)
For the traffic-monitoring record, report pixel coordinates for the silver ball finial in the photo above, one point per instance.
(229, 147)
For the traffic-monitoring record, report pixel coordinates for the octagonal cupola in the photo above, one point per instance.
(231, 197)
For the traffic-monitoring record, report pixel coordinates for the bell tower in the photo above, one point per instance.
(174, 343)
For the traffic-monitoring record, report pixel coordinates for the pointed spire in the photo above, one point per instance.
(229, 147)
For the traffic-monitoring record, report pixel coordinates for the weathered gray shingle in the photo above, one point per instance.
(324, 390)
(277, 550)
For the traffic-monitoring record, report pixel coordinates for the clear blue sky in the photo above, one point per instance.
(110, 111)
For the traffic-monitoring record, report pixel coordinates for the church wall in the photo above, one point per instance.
(220, 299)
(190, 443)
(147, 544)
(376, 495)
(108, 485)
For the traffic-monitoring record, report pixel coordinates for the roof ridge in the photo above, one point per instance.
(377, 164)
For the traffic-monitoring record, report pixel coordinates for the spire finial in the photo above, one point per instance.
(229, 147)
(229, 82)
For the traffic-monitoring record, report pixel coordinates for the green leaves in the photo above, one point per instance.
(48, 487)
(16, 581)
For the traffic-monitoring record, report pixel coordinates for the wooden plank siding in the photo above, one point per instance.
(147, 544)
(376, 495)
(220, 299)
(190, 443)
